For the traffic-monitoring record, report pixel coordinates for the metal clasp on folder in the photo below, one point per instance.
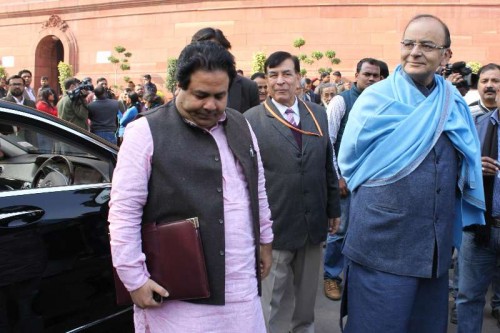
(194, 221)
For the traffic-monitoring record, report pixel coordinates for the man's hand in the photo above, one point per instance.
(344, 191)
(266, 259)
(333, 225)
(143, 297)
(455, 78)
(490, 166)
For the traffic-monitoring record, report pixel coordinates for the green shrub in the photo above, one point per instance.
(65, 71)
(171, 82)
(258, 61)
(3, 72)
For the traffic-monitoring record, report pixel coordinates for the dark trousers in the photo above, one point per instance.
(379, 302)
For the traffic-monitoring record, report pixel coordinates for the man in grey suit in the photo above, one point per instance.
(302, 188)
(16, 90)
(28, 92)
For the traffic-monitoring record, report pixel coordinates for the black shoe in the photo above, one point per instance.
(453, 314)
(496, 314)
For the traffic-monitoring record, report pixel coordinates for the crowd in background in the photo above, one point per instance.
(96, 109)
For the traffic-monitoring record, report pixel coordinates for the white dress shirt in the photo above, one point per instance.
(282, 109)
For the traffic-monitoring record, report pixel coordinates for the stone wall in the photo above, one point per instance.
(154, 30)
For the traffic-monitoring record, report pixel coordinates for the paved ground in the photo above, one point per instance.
(327, 315)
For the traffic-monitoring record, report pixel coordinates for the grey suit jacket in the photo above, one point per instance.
(301, 184)
(27, 96)
(243, 94)
(27, 101)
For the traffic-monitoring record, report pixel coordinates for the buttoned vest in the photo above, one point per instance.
(186, 181)
(350, 96)
(488, 136)
(397, 228)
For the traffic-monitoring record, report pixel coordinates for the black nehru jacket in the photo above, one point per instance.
(186, 181)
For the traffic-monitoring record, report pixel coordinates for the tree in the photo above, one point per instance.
(317, 55)
(65, 71)
(122, 63)
(3, 72)
(258, 62)
(325, 70)
(331, 55)
(171, 82)
(308, 61)
(299, 42)
(474, 66)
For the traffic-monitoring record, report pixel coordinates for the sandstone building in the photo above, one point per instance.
(38, 34)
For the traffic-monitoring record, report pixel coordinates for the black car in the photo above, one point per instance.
(55, 265)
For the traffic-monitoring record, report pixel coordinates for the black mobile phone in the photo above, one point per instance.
(157, 297)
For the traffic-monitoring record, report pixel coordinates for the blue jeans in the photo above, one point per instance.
(110, 136)
(334, 259)
(495, 285)
(379, 302)
(477, 268)
(456, 275)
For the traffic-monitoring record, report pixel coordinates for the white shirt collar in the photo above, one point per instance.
(282, 109)
(30, 93)
(19, 101)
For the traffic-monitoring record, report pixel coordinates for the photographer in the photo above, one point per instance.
(459, 75)
(72, 106)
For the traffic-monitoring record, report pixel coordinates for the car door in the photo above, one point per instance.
(55, 266)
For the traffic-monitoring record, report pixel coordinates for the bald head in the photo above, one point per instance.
(446, 31)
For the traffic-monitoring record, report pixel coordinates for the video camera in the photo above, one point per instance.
(110, 93)
(77, 92)
(461, 68)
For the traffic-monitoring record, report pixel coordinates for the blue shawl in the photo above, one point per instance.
(392, 127)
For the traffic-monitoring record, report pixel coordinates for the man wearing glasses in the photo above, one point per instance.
(16, 89)
(411, 159)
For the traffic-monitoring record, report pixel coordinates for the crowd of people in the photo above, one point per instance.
(395, 173)
(97, 110)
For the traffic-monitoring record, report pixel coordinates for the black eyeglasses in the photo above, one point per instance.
(425, 46)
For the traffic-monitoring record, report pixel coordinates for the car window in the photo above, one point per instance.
(35, 157)
(34, 141)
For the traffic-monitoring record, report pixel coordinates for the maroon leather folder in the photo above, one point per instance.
(175, 260)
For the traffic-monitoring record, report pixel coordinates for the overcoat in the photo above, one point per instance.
(301, 184)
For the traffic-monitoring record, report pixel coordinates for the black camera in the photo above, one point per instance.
(461, 68)
(77, 92)
(110, 93)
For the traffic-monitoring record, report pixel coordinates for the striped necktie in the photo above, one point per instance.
(289, 117)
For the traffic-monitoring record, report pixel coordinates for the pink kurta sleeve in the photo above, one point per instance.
(266, 231)
(128, 196)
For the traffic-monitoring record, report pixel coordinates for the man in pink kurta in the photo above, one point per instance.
(200, 108)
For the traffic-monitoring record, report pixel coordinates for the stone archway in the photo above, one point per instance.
(55, 43)
(48, 53)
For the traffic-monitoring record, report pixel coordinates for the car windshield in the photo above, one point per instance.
(21, 140)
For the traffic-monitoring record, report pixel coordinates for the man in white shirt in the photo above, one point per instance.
(487, 85)
(15, 84)
(28, 91)
(367, 73)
